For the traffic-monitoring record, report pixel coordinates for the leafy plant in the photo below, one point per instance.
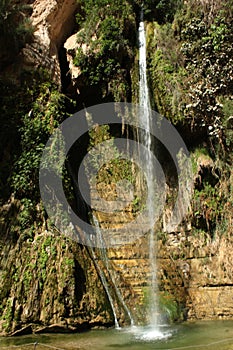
(47, 111)
(190, 68)
(105, 46)
(15, 28)
(166, 9)
(208, 206)
(169, 307)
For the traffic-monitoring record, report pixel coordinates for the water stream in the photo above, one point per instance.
(110, 271)
(106, 272)
(144, 101)
(104, 283)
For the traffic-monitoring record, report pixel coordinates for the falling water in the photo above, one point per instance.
(145, 116)
(110, 271)
(104, 282)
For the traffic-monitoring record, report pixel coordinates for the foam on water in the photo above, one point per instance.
(150, 333)
(153, 334)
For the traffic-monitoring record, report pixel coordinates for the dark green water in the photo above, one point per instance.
(214, 335)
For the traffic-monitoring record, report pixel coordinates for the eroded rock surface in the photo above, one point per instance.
(53, 21)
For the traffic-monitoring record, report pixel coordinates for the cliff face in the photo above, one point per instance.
(198, 273)
(194, 271)
(47, 281)
(53, 21)
(185, 59)
(50, 283)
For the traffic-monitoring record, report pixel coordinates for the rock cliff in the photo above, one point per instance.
(53, 21)
(48, 283)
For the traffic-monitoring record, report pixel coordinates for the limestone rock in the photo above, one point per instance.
(53, 22)
(50, 284)
(71, 45)
(23, 331)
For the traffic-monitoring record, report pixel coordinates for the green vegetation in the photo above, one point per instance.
(118, 171)
(190, 67)
(46, 113)
(8, 316)
(170, 307)
(208, 206)
(190, 73)
(15, 29)
(40, 108)
(200, 154)
(106, 39)
(166, 76)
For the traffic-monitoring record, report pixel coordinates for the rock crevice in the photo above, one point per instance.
(53, 22)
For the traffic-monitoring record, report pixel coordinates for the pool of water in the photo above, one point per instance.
(214, 335)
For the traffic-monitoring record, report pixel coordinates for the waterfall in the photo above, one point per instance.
(145, 116)
(105, 285)
(103, 280)
(110, 271)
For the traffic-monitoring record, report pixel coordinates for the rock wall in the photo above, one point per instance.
(197, 270)
(195, 266)
(48, 283)
(53, 22)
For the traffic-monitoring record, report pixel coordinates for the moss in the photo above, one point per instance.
(165, 75)
(69, 262)
(8, 315)
(200, 156)
(27, 278)
(227, 107)
(170, 307)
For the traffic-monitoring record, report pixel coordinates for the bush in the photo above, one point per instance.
(106, 44)
(15, 29)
